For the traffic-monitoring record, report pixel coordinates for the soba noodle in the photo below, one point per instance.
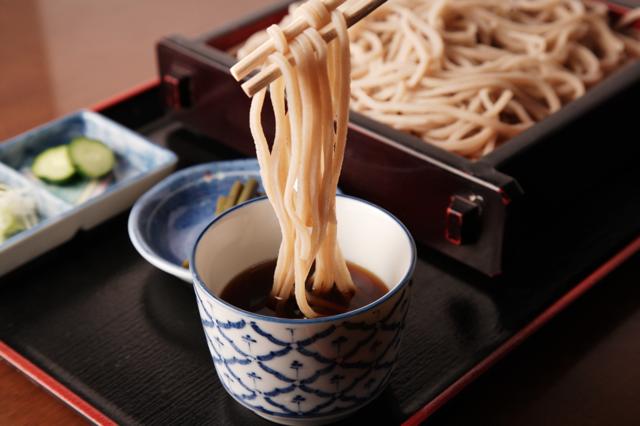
(467, 75)
(300, 172)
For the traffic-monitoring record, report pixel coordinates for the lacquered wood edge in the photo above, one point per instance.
(470, 376)
(53, 386)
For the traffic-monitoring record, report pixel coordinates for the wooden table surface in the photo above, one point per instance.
(58, 56)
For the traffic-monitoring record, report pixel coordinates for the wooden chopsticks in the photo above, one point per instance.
(254, 59)
(266, 75)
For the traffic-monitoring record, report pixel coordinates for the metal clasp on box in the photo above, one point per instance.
(463, 219)
(177, 88)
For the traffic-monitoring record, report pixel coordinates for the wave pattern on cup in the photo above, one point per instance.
(352, 370)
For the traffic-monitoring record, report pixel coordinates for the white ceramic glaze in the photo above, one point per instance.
(303, 371)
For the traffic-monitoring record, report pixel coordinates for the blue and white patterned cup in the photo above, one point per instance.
(303, 371)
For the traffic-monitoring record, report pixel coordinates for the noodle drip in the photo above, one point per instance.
(467, 75)
(300, 172)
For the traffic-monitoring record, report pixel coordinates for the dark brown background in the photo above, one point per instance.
(58, 56)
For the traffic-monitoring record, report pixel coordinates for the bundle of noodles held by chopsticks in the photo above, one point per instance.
(301, 166)
(467, 75)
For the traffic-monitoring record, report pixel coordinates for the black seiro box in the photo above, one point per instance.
(483, 213)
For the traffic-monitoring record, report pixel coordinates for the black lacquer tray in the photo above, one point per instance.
(121, 341)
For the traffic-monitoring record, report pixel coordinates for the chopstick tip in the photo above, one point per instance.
(235, 73)
(247, 89)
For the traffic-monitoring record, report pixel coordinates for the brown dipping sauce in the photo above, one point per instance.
(250, 290)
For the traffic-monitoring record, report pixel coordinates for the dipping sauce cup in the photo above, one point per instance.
(303, 371)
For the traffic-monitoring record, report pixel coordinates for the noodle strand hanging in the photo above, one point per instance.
(301, 169)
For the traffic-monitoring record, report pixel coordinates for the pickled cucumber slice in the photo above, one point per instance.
(54, 164)
(92, 158)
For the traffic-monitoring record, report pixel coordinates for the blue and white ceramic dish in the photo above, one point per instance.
(81, 204)
(165, 222)
(303, 371)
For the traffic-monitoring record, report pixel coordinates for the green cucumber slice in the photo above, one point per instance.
(54, 164)
(92, 158)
